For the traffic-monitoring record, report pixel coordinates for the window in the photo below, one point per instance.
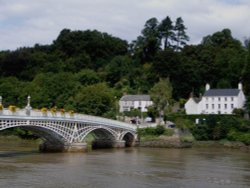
(206, 99)
(206, 106)
(218, 106)
(232, 99)
(225, 106)
(212, 99)
(232, 106)
(225, 99)
(218, 98)
(212, 106)
(139, 103)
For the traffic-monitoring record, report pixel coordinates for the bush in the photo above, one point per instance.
(168, 132)
(155, 131)
(187, 138)
(12, 108)
(239, 136)
(159, 130)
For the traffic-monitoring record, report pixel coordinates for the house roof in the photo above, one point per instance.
(135, 98)
(197, 100)
(221, 92)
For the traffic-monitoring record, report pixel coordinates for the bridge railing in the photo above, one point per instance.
(33, 114)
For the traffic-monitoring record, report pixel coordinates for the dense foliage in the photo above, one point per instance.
(155, 131)
(214, 127)
(88, 71)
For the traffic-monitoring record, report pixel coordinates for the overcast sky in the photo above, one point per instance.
(27, 22)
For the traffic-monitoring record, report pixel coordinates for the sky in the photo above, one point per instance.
(24, 23)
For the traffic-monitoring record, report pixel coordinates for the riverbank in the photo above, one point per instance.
(163, 141)
(222, 144)
(186, 142)
(174, 141)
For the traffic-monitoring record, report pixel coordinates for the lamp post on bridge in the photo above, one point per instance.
(28, 108)
(1, 105)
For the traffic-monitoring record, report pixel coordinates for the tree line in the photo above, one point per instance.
(88, 71)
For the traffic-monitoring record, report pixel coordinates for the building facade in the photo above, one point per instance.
(216, 101)
(129, 102)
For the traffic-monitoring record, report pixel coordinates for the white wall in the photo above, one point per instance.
(128, 105)
(224, 105)
(191, 106)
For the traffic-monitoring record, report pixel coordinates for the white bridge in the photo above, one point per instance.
(67, 131)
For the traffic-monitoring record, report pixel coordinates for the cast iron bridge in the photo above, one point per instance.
(68, 131)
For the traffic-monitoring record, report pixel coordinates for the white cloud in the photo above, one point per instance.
(25, 22)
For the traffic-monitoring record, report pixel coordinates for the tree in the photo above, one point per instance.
(96, 99)
(10, 90)
(148, 44)
(48, 90)
(166, 32)
(161, 94)
(118, 69)
(180, 34)
(88, 77)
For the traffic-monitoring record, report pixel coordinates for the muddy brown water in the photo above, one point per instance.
(21, 165)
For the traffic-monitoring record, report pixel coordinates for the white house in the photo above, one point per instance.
(216, 101)
(129, 102)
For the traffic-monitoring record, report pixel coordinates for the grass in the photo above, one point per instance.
(150, 138)
(187, 139)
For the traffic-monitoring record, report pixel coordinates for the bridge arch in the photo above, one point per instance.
(48, 131)
(104, 137)
(129, 138)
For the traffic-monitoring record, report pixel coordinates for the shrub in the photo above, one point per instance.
(44, 110)
(155, 131)
(159, 130)
(1, 107)
(187, 138)
(12, 108)
(53, 110)
(169, 132)
(71, 113)
(62, 111)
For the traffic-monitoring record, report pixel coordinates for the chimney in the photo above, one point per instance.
(191, 95)
(240, 86)
(207, 87)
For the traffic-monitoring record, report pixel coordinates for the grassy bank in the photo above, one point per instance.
(221, 144)
(162, 137)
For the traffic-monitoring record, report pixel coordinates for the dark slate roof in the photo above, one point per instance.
(197, 100)
(135, 98)
(221, 92)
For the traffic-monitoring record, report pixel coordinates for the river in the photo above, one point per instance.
(21, 165)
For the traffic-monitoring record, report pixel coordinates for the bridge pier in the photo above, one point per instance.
(119, 144)
(51, 147)
(76, 147)
(80, 147)
(73, 147)
(102, 143)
